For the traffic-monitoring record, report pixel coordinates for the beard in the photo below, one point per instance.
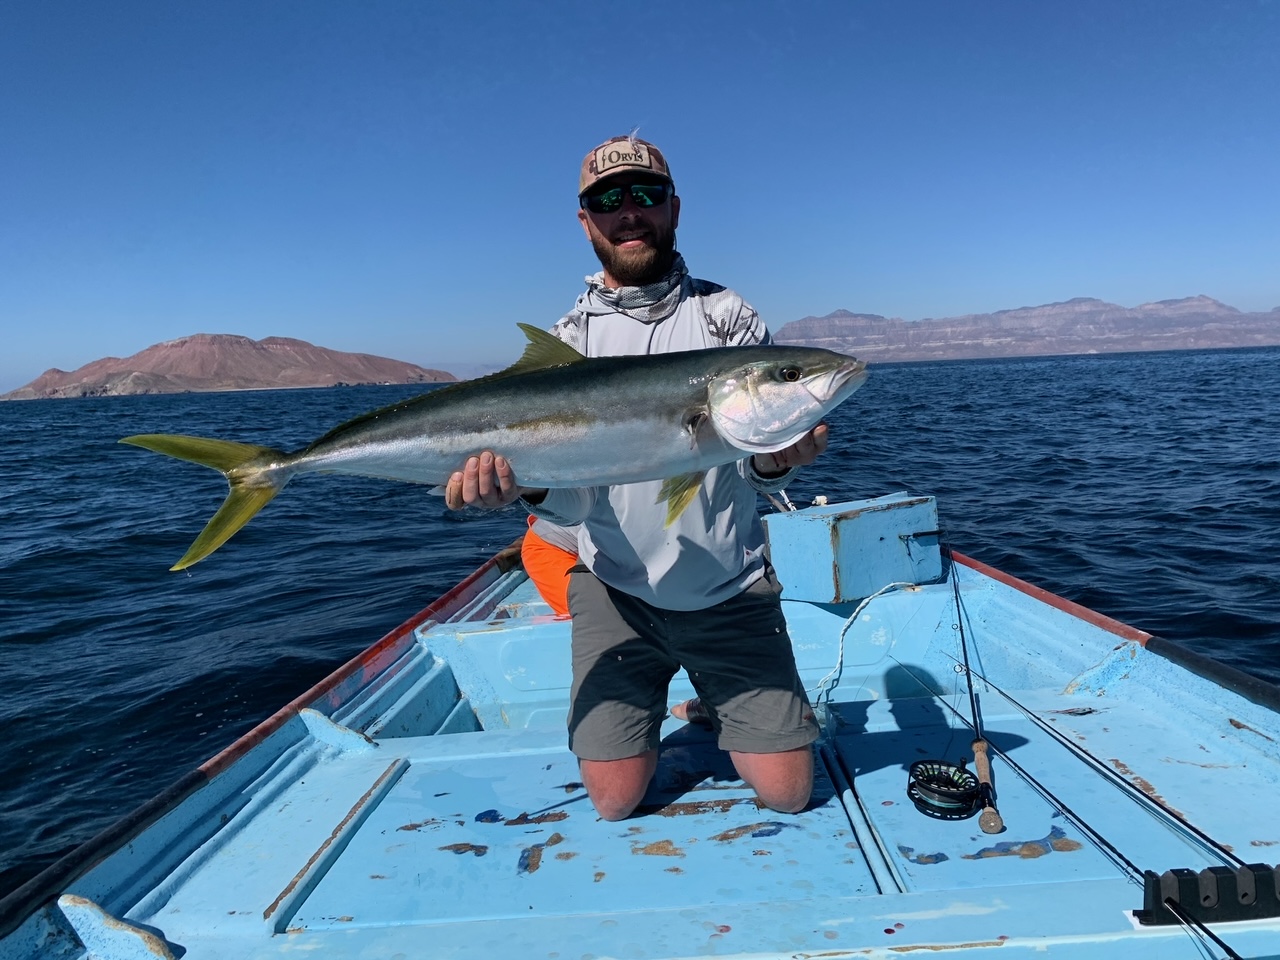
(639, 266)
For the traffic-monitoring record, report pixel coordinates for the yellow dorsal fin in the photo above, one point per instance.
(543, 350)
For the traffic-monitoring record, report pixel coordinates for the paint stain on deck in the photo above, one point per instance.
(421, 824)
(768, 828)
(1244, 726)
(694, 808)
(531, 857)
(1144, 785)
(479, 849)
(938, 947)
(1057, 840)
(659, 848)
(525, 820)
(923, 859)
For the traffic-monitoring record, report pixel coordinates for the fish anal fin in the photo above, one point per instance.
(678, 492)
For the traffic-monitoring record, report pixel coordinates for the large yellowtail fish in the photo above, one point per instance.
(561, 419)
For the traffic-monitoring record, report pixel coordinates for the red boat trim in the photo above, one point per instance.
(1122, 630)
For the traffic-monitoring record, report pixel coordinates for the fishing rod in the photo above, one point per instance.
(989, 821)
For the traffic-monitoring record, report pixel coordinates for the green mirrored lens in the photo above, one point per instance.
(648, 194)
(606, 202)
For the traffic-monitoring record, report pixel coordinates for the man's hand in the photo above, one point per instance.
(486, 481)
(800, 454)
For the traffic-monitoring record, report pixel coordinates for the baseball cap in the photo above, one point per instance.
(622, 155)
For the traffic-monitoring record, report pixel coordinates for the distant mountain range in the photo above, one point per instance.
(219, 361)
(1082, 325)
(210, 361)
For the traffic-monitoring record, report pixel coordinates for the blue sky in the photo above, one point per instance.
(399, 177)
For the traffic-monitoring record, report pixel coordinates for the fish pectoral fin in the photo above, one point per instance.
(678, 492)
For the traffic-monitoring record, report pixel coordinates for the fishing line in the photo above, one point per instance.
(1195, 927)
(823, 692)
(1134, 793)
(990, 820)
(1055, 801)
(1190, 924)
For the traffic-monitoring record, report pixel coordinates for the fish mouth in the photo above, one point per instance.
(838, 382)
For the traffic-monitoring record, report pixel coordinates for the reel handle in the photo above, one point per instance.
(989, 821)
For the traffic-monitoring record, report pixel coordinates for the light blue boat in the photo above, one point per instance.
(421, 801)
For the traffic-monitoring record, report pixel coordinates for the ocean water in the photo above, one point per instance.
(1146, 486)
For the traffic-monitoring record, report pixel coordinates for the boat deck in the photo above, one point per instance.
(427, 806)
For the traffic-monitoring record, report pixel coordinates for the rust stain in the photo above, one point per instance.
(694, 808)
(524, 820)
(924, 859)
(478, 849)
(659, 848)
(420, 824)
(675, 870)
(951, 946)
(1144, 785)
(566, 855)
(1244, 726)
(1057, 840)
(1204, 766)
(762, 853)
(530, 859)
(737, 832)
(598, 876)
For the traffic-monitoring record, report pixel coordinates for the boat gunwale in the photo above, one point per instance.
(1261, 692)
(20, 904)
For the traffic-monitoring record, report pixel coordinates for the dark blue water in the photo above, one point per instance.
(1146, 486)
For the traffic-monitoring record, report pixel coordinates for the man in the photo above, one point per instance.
(648, 598)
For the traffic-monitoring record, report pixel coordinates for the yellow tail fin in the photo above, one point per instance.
(248, 469)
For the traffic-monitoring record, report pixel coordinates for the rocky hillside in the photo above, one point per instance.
(215, 361)
(1082, 325)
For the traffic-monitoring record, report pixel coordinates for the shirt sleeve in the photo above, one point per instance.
(761, 484)
(564, 505)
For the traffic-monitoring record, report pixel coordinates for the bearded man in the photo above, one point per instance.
(648, 598)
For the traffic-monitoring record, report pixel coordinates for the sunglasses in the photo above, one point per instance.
(642, 195)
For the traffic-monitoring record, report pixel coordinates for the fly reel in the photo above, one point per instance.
(944, 791)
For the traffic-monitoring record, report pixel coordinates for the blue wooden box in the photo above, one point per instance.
(839, 554)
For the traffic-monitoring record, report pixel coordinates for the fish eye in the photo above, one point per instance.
(789, 374)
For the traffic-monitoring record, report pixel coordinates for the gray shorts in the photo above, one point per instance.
(737, 654)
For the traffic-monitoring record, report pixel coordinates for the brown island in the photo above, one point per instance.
(218, 361)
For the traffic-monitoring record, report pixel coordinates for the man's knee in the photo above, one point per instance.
(782, 781)
(616, 787)
(787, 798)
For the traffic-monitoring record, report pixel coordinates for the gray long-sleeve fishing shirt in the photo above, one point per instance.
(714, 549)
